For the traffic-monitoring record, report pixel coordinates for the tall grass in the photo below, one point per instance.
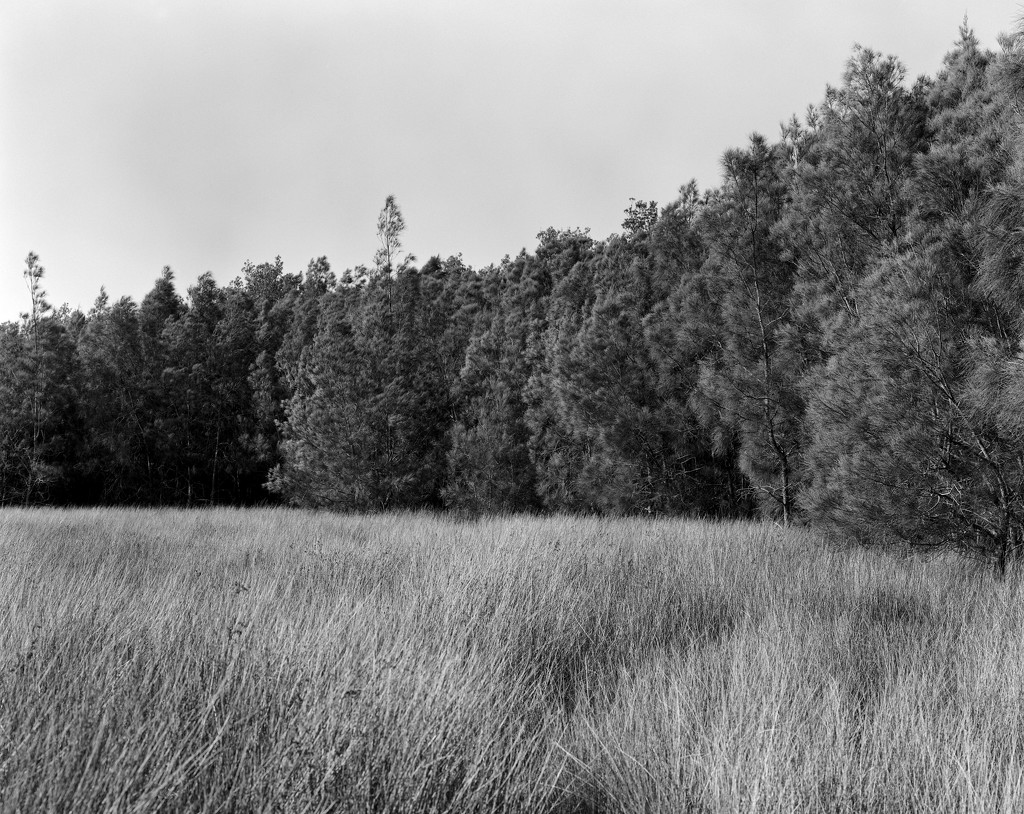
(284, 661)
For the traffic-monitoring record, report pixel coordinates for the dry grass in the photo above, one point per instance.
(285, 661)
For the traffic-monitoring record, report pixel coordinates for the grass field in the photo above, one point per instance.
(284, 661)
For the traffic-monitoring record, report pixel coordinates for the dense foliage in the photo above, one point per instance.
(832, 335)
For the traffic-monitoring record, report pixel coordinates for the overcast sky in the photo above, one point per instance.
(140, 133)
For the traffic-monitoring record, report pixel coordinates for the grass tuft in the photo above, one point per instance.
(277, 660)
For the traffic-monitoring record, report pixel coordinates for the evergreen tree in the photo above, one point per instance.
(213, 349)
(749, 384)
(504, 451)
(320, 443)
(849, 185)
(115, 457)
(681, 331)
(617, 419)
(911, 436)
(851, 201)
(489, 468)
(370, 430)
(39, 419)
(274, 296)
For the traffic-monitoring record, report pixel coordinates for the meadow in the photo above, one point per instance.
(273, 660)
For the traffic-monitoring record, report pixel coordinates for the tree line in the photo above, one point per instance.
(832, 335)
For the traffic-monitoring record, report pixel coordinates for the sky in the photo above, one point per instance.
(138, 134)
